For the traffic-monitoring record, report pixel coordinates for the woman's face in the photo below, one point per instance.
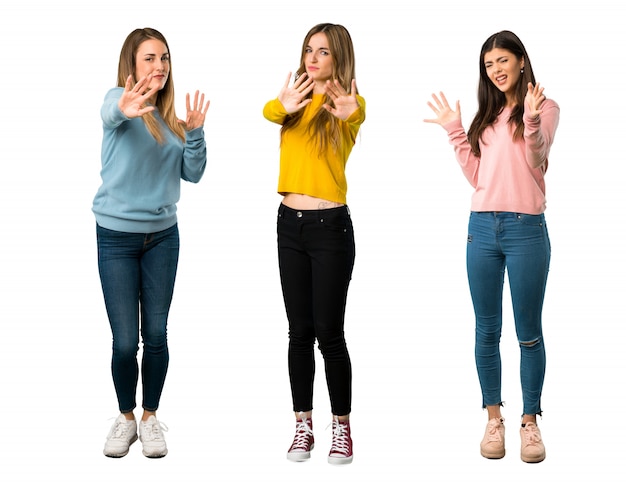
(318, 60)
(503, 69)
(152, 58)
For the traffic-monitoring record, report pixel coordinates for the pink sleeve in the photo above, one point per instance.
(465, 157)
(539, 134)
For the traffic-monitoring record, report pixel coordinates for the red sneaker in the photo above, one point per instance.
(341, 448)
(303, 441)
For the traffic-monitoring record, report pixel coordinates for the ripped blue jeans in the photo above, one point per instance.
(518, 244)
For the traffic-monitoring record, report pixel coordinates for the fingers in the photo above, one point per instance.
(304, 84)
(535, 98)
(196, 112)
(536, 90)
(302, 81)
(335, 90)
(206, 108)
(440, 106)
(198, 102)
(195, 101)
(286, 85)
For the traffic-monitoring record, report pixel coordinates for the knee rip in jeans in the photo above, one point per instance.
(530, 344)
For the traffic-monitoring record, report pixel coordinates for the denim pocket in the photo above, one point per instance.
(531, 219)
(337, 223)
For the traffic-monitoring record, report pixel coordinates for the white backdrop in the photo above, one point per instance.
(416, 408)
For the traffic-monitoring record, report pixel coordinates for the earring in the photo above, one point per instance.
(522, 71)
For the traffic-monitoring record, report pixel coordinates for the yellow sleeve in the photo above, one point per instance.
(358, 117)
(274, 111)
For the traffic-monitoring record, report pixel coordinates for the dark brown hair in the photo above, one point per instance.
(491, 100)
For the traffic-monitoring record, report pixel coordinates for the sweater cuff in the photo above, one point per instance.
(195, 134)
(356, 116)
(453, 126)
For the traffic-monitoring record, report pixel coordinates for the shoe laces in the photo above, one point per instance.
(494, 429)
(120, 429)
(303, 433)
(531, 433)
(153, 430)
(341, 439)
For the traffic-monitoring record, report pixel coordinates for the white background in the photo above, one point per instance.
(416, 409)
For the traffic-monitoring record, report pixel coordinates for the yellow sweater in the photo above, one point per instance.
(302, 169)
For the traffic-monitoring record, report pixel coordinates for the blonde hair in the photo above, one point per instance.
(324, 127)
(165, 97)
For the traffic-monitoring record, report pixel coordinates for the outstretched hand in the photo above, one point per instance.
(293, 97)
(442, 109)
(345, 103)
(196, 114)
(533, 100)
(133, 99)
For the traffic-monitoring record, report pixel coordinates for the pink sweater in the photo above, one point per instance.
(508, 176)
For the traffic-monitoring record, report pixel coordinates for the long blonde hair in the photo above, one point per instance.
(165, 97)
(324, 127)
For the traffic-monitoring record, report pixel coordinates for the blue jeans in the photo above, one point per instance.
(316, 255)
(518, 243)
(137, 272)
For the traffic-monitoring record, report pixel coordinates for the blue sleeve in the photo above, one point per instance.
(110, 112)
(194, 155)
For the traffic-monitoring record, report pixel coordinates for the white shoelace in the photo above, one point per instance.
(153, 431)
(120, 429)
(340, 438)
(303, 432)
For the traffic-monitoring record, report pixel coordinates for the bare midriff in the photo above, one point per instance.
(304, 202)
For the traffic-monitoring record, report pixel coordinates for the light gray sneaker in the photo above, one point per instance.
(151, 436)
(122, 434)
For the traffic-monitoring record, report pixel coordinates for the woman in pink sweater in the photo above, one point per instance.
(504, 156)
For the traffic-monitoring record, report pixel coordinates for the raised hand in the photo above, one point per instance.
(533, 100)
(293, 97)
(197, 113)
(345, 103)
(133, 98)
(442, 109)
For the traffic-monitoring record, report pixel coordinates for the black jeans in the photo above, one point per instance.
(316, 257)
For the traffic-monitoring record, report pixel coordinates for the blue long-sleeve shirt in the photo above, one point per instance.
(140, 177)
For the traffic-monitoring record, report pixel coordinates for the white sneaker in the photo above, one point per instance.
(122, 434)
(151, 436)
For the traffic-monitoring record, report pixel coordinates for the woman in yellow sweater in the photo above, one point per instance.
(320, 114)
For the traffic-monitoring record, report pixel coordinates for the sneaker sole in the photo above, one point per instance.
(300, 456)
(155, 455)
(338, 461)
(533, 459)
(492, 455)
(118, 455)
